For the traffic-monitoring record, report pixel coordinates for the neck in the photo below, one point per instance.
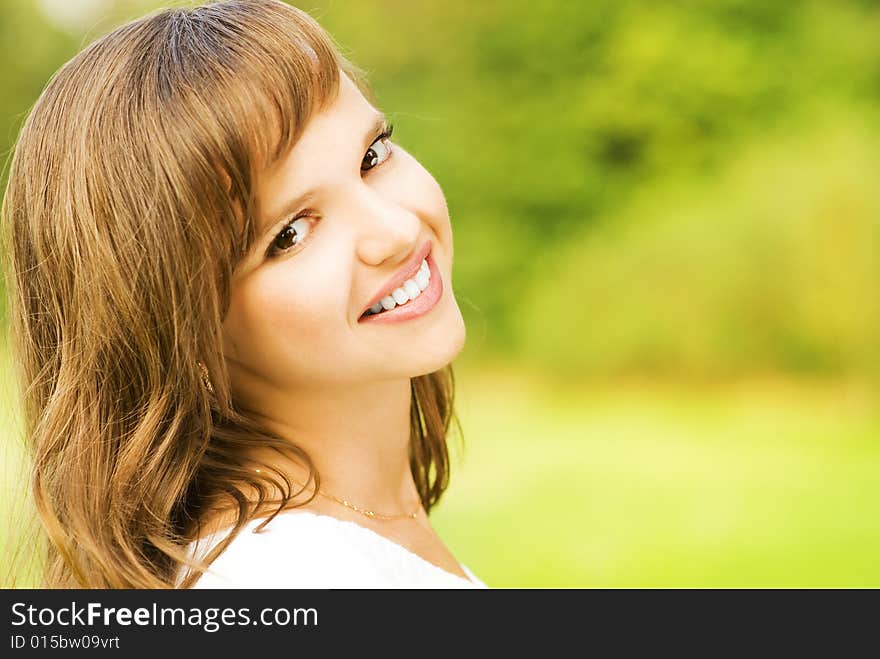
(358, 438)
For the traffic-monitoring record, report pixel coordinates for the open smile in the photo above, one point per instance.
(412, 293)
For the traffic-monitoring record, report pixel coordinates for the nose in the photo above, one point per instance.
(387, 231)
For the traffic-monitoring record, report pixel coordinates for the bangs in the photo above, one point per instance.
(256, 71)
(274, 66)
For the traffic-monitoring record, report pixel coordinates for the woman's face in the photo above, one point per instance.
(368, 214)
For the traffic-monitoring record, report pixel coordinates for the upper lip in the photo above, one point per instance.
(406, 272)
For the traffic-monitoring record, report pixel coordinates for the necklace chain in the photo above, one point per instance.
(364, 511)
(369, 513)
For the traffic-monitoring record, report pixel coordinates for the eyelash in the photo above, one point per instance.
(274, 251)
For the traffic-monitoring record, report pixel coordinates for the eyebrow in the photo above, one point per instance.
(380, 124)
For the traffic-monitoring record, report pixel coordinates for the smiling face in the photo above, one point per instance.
(346, 219)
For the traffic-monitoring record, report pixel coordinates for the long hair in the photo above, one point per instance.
(129, 202)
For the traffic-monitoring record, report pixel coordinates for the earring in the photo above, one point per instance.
(206, 380)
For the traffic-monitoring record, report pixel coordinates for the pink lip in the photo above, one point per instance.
(406, 272)
(414, 308)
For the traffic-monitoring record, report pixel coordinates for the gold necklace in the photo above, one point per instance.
(369, 513)
(363, 511)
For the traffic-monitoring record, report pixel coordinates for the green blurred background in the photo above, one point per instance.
(667, 231)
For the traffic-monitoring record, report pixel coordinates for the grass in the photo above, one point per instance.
(765, 483)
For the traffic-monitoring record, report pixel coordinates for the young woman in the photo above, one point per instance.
(232, 309)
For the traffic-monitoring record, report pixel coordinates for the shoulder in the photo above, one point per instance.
(294, 550)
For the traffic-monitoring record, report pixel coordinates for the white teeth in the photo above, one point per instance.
(422, 280)
(411, 289)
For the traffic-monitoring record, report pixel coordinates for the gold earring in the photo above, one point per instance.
(206, 380)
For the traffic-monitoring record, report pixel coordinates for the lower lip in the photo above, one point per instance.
(414, 308)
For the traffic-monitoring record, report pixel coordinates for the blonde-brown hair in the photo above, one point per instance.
(129, 202)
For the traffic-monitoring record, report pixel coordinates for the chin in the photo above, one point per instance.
(443, 343)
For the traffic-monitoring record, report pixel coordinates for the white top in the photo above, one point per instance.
(305, 550)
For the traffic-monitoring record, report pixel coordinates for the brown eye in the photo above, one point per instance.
(291, 235)
(379, 152)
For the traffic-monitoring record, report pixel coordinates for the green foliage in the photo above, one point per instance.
(773, 266)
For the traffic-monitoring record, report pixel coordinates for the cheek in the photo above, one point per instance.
(274, 315)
